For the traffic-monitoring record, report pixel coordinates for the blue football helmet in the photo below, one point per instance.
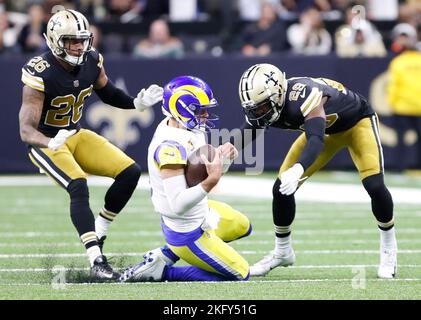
(188, 99)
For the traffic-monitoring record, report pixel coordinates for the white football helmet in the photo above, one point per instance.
(67, 25)
(262, 91)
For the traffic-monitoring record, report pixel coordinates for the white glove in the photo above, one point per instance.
(290, 179)
(147, 98)
(60, 138)
(211, 220)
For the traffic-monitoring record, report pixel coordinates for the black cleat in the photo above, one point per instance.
(101, 242)
(102, 271)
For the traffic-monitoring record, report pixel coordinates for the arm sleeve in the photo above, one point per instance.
(115, 97)
(180, 197)
(315, 131)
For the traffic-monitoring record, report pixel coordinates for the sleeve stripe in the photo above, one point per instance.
(34, 82)
(34, 78)
(101, 60)
(31, 84)
(311, 102)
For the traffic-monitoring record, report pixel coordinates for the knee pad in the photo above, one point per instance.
(78, 189)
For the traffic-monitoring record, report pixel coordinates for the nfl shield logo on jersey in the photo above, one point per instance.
(76, 83)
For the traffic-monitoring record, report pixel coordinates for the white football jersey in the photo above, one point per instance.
(171, 145)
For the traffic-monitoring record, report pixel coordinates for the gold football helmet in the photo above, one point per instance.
(262, 91)
(68, 25)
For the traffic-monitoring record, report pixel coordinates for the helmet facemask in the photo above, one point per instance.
(74, 60)
(264, 113)
(204, 119)
(65, 27)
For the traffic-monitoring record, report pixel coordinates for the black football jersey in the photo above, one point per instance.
(65, 92)
(343, 109)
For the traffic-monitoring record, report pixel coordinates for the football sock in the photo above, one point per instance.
(388, 238)
(93, 253)
(283, 211)
(103, 221)
(122, 189)
(282, 245)
(191, 273)
(80, 213)
(381, 200)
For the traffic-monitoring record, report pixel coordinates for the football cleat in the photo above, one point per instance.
(388, 264)
(272, 261)
(102, 271)
(151, 269)
(101, 242)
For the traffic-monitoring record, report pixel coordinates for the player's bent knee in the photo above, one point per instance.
(131, 173)
(78, 189)
(374, 184)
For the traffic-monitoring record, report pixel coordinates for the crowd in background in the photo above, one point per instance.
(249, 27)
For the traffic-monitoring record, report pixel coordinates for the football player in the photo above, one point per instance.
(196, 229)
(56, 85)
(331, 117)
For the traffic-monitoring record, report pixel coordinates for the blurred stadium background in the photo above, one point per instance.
(152, 41)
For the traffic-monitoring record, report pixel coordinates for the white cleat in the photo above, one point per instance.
(158, 252)
(271, 261)
(388, 264)
(151, 269)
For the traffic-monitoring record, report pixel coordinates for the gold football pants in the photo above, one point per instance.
(362, 142)
(83, 153)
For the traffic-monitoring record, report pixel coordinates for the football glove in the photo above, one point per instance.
(147, 98)
(60, 138)
(290, 179)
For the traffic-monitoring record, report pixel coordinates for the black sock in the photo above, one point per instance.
(283, 211)
(80, 212)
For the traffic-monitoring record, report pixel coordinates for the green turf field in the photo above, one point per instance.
(336, 246)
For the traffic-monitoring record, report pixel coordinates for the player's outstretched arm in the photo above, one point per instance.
(29, 116)
(314, 126)
(116, 97)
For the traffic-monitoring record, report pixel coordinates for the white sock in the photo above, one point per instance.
(101, 226)
(282, 245)
(93, 253)
(388, 238)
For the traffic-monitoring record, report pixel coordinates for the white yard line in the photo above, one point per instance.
(138, 254)
(347, 266)
(144, 233)
(221, 283)
(253, 187)
(242, 242)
